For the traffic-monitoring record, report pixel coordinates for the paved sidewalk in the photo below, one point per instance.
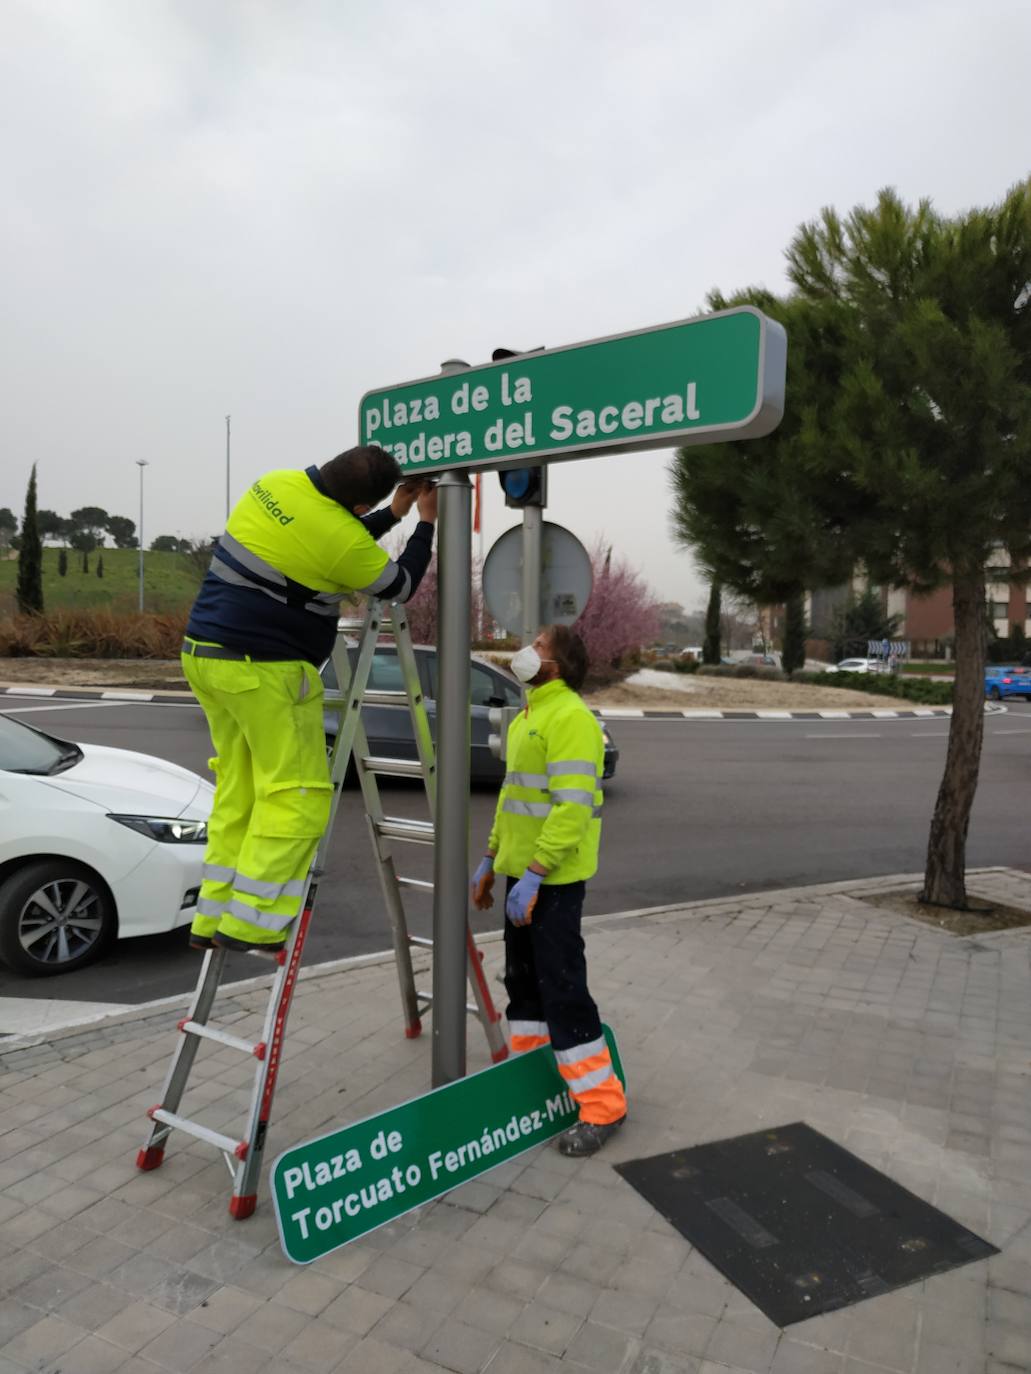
(906, 1045)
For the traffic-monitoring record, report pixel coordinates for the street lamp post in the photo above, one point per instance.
(141, 463)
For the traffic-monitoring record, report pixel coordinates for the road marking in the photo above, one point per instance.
(1011, 732)
(850, 735)
(92, 701)
(71, 706)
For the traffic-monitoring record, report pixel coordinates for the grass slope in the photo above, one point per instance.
(169, 581)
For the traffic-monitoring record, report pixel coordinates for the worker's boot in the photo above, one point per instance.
(587, 1137)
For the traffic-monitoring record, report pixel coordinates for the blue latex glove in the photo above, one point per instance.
(482, 886)
(523, 898)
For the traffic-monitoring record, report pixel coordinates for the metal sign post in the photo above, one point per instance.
(451, 851)
(533, 520)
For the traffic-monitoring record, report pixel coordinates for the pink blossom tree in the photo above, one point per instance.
(422, 609)
(621, 615)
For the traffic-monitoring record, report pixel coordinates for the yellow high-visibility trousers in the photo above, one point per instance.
(272, 793)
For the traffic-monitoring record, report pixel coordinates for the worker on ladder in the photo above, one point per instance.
(547, 829)
(264, 620)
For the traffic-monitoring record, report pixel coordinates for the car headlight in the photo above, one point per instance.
(165, 831)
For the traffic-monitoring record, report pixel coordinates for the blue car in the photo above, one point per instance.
(1007, 682)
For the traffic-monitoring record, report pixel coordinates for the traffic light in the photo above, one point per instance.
(524, 487)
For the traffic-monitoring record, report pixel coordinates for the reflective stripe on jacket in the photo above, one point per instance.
(288, 556)
(549, 808)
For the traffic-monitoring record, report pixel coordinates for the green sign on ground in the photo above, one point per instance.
(717, 377)
(332, 1190)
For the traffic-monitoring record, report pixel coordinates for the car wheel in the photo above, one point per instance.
(55, 916)
(995, 694)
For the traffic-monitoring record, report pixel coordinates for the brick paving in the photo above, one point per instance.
(908, 1046)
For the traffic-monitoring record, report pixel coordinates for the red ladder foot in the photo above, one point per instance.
(240, 1208)
(150, 1157)
(413, 1031)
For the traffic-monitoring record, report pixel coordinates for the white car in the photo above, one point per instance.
(95, 843)
(857, 665)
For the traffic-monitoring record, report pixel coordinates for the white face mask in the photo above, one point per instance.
(526, 664)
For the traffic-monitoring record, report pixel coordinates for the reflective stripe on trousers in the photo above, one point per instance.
(272, 793)
(528, 1035)
(592, 1082)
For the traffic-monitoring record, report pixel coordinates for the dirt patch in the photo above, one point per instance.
(983, 917)
(146, 674)
(742, 694)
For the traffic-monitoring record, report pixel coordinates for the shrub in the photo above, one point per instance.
(685, 665)
(663, 665)
(918, 690)
(93, 634)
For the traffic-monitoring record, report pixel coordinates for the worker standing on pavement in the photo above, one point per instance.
(264, 621)
(545, 839)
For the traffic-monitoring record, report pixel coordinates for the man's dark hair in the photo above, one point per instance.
(362, 476)
(570, 654)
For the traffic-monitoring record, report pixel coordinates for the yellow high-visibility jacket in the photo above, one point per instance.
(549, 808)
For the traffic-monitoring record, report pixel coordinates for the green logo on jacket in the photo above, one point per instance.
(272, 508)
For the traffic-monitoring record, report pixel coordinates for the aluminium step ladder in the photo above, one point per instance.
(243, 1155)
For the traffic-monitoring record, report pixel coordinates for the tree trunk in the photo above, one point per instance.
(711, 645)
(945, 876)
(793, 653)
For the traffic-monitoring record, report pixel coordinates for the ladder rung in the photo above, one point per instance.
(420, 883)
(385, 699)
(182, 1123)
(221, 1037)
(427, 998)
(397, 768)
(400, 828)
(423, 941)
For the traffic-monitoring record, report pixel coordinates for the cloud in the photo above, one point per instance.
(266, 209)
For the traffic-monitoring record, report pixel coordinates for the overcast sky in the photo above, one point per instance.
(266, 208)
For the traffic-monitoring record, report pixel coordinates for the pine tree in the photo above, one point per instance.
(792, 655)
(62, 563)
(934, 417)
(711, 642)
(30, 556)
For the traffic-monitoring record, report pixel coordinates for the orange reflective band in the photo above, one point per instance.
(522, 1043)
(604, 1104)
(583, 1067)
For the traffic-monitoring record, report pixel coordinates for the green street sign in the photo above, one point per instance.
(331, 1190)
(706, 380)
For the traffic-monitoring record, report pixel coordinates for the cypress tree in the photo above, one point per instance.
(62, 563)
(711, 643)
(100, 566)
(30, 556)
(85, 561)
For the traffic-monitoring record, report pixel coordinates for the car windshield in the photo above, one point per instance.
(25, 750)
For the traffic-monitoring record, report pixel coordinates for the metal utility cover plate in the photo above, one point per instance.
(798, 1224)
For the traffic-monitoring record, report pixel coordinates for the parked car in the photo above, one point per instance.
(96, 844)
(858, 665)
(1000, 682)
(389, 728)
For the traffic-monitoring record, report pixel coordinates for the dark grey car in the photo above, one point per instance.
(389, 728)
